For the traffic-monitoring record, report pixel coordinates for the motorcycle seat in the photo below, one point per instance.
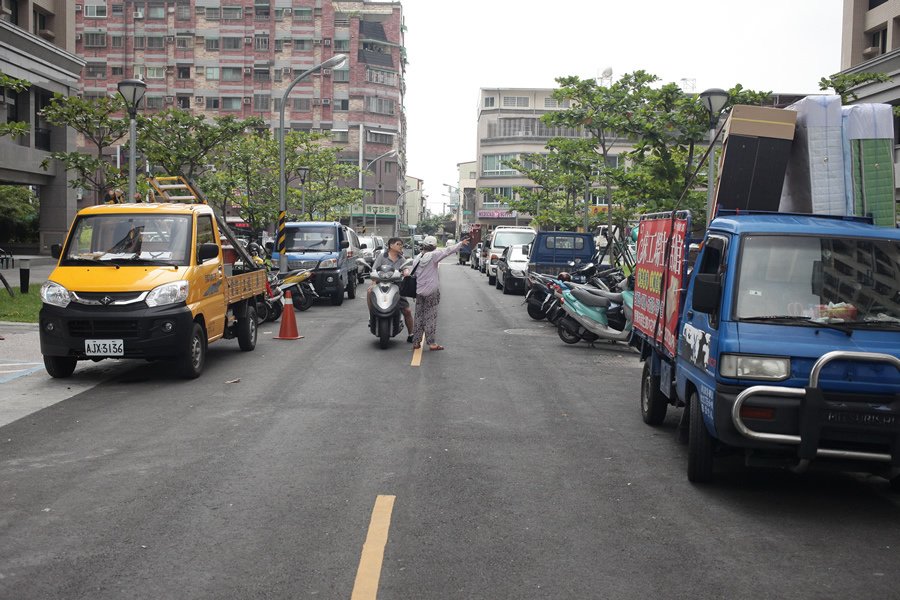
(590, 298)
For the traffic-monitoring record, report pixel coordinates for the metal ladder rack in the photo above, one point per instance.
(176, 189)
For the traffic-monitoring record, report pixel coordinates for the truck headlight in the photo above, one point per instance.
(328, 263)
(55, 294)
(745, 366)
(169, 293)
(517, 273)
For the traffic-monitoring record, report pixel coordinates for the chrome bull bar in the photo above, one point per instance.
(787, 392)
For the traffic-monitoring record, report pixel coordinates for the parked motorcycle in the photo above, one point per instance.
(592, 314)
(540, 298)
(385, 316)
(299, 282)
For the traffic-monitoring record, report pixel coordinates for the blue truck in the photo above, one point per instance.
(551, 251)
(781, 342)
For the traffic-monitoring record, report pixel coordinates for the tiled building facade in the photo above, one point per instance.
(237, 57)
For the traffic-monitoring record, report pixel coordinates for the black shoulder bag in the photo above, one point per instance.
(408, 284)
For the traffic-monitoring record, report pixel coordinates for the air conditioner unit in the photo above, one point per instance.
(317, 41)
(171, 10)
(248, 40)
(170, 99)
(871, 51)
(77, 8)
(138, 13)
(248, 71)
(247, 99)
(170, 39)
(327, 41)
(198, 99)
(326, 72)
(317, 101)
(77, 37)
(287, 11)
(326, 101)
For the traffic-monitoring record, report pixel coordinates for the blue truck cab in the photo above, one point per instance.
(330, 250)
(782, 343)
(552, 251)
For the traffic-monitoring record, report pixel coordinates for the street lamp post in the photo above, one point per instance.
(132, 91)
(713, 101)
(302, 173)
(390, 152)
(334, 61)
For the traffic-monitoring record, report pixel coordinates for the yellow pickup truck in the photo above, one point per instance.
(147, 281)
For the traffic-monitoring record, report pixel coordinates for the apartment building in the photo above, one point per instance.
(37, 43)
(467, 189)
(509, 125)
(870, 43)
(237, 57)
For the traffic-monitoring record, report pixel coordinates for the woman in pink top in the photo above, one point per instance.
(428, 293)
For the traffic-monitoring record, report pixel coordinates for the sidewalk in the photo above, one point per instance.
(20, 348)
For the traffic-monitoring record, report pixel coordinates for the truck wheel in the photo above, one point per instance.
(59, 367)
(653, 403)
(506, 289)
(566, 335)
(700, 445)
(247, 330)
(498, 282)
(492, 280)
(337, 298)
(351, 287)
(535, 312)
(384, 333)
(192, 362)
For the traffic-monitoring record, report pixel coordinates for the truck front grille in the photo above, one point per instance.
(302, 264)
(106, 328)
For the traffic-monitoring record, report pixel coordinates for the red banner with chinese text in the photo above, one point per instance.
(658, 279)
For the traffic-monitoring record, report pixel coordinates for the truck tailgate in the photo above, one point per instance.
(245, 285)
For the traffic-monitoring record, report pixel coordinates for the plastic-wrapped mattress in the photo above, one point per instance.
(868, 149)
(814, 181)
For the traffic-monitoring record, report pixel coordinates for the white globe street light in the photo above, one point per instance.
(132, 91)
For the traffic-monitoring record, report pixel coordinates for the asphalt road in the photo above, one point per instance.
(507, 466)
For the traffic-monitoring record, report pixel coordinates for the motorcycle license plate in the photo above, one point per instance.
(104, 347)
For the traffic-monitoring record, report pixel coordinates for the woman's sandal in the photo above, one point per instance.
(435, 347)
(416, 346)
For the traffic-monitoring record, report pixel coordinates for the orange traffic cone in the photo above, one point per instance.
(288, 329)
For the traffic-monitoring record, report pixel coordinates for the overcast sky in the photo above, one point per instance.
(457, 47)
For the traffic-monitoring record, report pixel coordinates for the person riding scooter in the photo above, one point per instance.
(393, 257)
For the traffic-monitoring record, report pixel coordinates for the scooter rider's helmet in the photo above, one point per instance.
(564, 276)
(254, 249)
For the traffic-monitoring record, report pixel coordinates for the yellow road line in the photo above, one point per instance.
(417, 353)
(366, 585)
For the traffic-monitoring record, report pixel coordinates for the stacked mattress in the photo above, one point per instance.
(814, 180)
(868, 155)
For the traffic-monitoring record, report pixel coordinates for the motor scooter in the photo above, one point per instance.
(592, 314)
(385, 315)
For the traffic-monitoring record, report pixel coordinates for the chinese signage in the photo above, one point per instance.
(380, 210)
(495, 214)
(658, 277)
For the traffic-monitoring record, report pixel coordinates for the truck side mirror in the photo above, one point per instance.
(56, 250)
(526, 249)
(817, 282)
(345, 244)
(361, 246)
(207, 251)
(707, 293)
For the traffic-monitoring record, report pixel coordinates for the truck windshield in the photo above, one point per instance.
(316, 238)
(130, 239)
(823, 279)
(502, 239)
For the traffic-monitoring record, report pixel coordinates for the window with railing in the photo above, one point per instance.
(262, 102)
(156, 42)
(340, 136)
(212, 44)
(302, 104)
(156, 12)
(515, 102)
(212, 103)
(492, 165)
(340, 75)
(303, 14)
(153, 102)
(117, 10)
(530, 127)
(95, 71)
(379, 138)
(95, 11)
(212, 14)
(117, 41)
(117, 71)
(232, 43)
(183, 42)
(232, 73)
(184, 72)
(382, 106)
(340, 104)
(232, 13)
(156, 73)
(262, 13)
(94, 40)
(262, 75)
(279, 45)
(139, 42)
(261, 42)
(341, 45)
(380, 76)
(183, 11)
(303, 44)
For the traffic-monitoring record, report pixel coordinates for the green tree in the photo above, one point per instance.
(843, 83)
(431, 225)
(19, 210)
(11, 84)
(180, 143)
(325, 192)
(95, 120)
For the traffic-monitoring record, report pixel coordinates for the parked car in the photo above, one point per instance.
(511, 268)
(330, 249)
(505, 235)
(475, 258)
(372, 247)
(484, 256)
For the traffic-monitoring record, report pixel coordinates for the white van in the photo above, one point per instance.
(503, 236)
